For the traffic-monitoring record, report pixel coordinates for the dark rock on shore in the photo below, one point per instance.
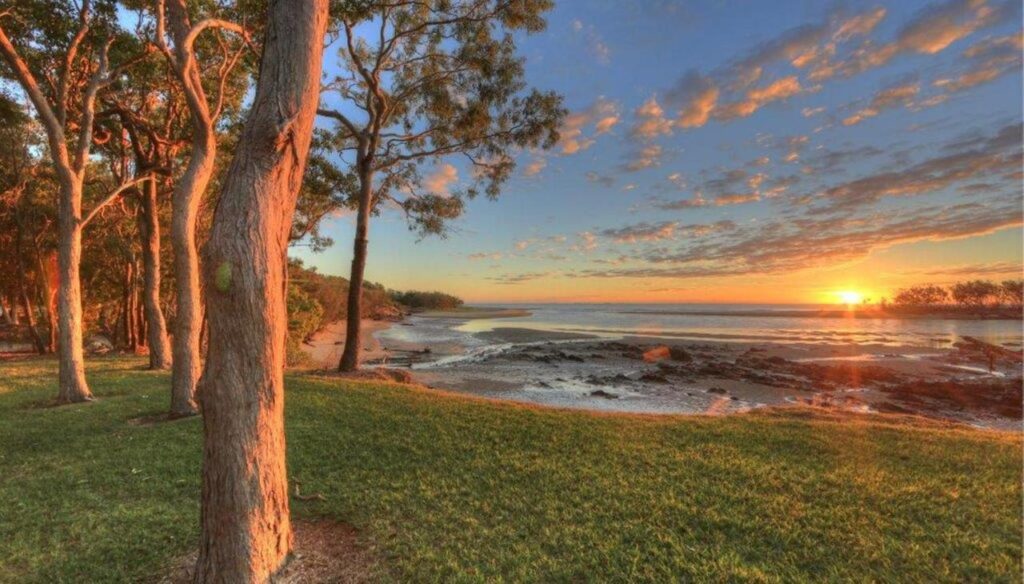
(652, 377)
(680, 354)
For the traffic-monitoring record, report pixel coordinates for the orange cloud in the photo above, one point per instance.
(651, 121)
(439, 181)
(758, 97)
(603, 115)
(901, 95)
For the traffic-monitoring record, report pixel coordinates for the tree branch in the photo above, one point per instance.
(55, 130)
(69, 59)
(334, 114)
(89, 111)
(114, 195)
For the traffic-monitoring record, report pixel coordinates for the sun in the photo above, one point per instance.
(850, 297)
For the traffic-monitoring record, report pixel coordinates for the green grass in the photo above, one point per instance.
(455, 489)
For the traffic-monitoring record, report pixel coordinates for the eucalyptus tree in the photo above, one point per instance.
(246, 533)
(147, 112)
(22, 217)
(209, 85)
(59, 53)
(424, 81)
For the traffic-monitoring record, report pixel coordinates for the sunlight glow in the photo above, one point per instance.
(850, 297)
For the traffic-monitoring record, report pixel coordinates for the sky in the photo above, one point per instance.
(741, 152)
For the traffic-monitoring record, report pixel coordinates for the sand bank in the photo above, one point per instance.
(326, 345)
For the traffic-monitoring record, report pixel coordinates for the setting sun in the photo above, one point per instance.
(850, 297)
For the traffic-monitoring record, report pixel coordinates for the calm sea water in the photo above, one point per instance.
(725, 322)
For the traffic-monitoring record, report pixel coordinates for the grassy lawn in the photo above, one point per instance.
(454, 489)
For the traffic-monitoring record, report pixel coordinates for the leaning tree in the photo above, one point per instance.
(425, 81)
(209, 85)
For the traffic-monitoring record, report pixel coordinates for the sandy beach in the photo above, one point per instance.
(326, 345)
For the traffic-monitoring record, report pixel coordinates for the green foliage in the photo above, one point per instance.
(315, 300)
(443, 488)
(427, 300)
(426, 81)
(305, 316)
(325, 190)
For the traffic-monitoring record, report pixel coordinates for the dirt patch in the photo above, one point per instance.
(375, 374)
(325, 552)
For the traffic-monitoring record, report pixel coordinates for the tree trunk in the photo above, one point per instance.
(188, 314)
(10, 310)
(246, 529)
(48, 301)
(156, 325)
(30, 320)
(188, 194)
(127, 310)
(353, 323)
(30, 317)
(73, 387)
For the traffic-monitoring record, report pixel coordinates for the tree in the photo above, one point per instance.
(68, 47)
(434, 79)
(1011, 292)
(974, 294)
(21, 217)
(246, 530)
(920, 296)
(146, 111)
(181, 52)
(427, 300)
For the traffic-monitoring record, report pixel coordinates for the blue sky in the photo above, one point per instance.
(742, 152)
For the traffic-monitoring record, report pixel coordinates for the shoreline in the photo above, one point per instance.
(325, 346)
(473, 313)
(602, 373)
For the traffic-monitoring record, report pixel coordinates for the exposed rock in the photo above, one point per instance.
(717, 390)
(680, 354)
(98, 345)
(604, 394)
(657, 354)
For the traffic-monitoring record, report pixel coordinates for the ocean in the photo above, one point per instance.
(748, 323)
